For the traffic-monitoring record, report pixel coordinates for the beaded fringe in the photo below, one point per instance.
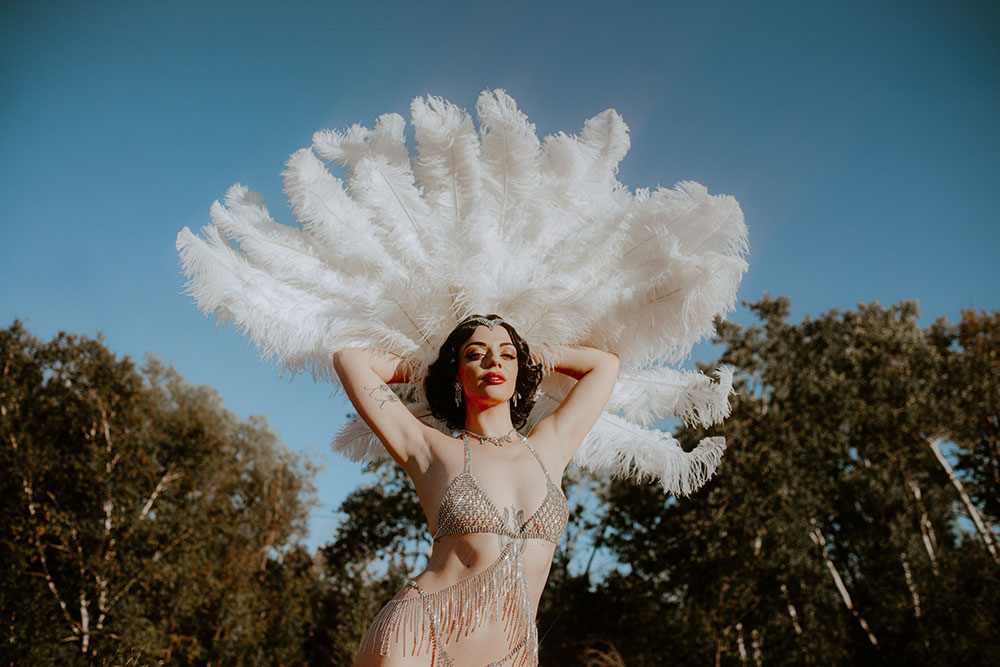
(429, 621)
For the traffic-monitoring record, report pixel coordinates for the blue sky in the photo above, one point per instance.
(861, 139)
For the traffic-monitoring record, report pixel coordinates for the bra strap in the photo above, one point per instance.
(465, 441)
(537, 457)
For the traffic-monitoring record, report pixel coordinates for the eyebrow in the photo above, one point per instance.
(476, 342)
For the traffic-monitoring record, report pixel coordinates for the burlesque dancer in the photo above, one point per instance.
(492, 498)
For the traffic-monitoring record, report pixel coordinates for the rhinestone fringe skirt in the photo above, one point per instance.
(427, 623)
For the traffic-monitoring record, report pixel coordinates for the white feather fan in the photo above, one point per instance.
(488, 221)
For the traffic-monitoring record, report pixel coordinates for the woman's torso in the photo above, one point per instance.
(496, 514)
(502, 488)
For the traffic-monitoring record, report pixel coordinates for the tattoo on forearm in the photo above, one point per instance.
(383, 394)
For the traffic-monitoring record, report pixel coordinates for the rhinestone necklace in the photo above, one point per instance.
(498, 441)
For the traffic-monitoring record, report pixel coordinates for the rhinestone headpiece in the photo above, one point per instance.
(490, 322)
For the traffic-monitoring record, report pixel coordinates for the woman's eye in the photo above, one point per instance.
(508, 356)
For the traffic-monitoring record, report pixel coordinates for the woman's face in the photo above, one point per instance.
(487, 366)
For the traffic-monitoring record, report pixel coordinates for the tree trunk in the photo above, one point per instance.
(927, 533)
(792, 613)
(977, 519)
(908, 574)
(740, 643)
(817, 536)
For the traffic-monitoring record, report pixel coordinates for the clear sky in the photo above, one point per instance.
(861, 138)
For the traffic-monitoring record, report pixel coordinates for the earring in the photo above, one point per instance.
(458, 393)
(514, 398)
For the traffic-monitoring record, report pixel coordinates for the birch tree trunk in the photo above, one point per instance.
(817, 537)
(908, 575)
(927, 534)
(974, 514)
(792, 613)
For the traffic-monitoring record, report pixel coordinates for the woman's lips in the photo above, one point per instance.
(494, 378)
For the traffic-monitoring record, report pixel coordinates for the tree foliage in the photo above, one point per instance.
(832, 534)
(142, 521)
(851, 521)
(971, 363)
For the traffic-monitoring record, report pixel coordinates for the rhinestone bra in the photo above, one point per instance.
(465, 508)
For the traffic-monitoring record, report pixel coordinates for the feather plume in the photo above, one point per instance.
(644, 396)
(618, 447)
(487, 219)
(336, 221)
(447, 165)
(511, 160)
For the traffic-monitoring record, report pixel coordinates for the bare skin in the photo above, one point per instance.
(509, 474)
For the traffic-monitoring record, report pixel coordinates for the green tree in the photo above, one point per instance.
(970, 352)
(831, 534)
(142, 520)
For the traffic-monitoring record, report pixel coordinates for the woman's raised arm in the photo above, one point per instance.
(364, 375)
(595, 372)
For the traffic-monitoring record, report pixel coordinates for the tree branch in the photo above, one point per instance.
(817, 537)
(987, 536)
(36, 542)
(165, 481)
(926, 528)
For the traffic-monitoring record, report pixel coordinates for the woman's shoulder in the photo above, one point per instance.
(544, 439)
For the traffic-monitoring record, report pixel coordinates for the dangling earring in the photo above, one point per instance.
(458, 393)
(514, 398)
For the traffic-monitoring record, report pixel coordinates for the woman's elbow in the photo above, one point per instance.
(610, 361)
(603, 363)
(345, 358)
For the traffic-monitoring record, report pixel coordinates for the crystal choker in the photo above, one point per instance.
(497, 441)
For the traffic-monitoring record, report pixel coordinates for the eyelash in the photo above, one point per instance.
(479, 355)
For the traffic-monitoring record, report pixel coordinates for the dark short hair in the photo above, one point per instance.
(439, 385)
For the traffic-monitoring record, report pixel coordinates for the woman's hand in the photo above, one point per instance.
(365, 375)
(595, 372)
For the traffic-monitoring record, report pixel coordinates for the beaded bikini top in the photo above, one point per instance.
(466, 508)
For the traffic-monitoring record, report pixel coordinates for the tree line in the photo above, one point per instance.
(851, 520)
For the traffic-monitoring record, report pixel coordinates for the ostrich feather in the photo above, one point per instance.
(357, 142)
(618, 447)
(447, 165)
(400, 247)
(511, 160)
(644, 396)
(285, 323)
(391, 193)
(342, 226)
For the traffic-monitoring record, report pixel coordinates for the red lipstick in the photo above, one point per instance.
(494, 378)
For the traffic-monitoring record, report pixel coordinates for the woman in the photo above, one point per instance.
(491, 497)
